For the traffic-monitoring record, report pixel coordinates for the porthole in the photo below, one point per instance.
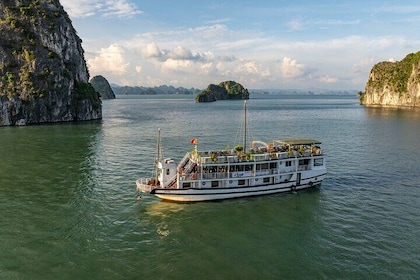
(204, 183)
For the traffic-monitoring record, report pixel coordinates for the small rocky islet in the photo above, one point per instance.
(227, 90)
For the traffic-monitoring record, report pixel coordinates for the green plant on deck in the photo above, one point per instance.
(239, 148)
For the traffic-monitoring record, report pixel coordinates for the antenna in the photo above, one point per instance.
(245, 128)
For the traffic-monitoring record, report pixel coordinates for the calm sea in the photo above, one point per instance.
(68, 207)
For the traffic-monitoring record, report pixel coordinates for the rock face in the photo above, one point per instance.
(394, 83)
(44, 77)
(223, 91)
(101, 85)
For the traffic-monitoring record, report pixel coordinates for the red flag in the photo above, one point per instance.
(194, 141)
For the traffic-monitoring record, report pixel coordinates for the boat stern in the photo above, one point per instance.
(145, 185)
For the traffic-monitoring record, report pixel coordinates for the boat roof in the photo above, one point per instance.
(299, 141)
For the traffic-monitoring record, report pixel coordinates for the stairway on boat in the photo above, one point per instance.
(186, 165)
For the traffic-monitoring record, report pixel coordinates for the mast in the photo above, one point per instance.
(158, 157)
(245, 126)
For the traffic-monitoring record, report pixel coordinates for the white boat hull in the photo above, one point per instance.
(195, 195)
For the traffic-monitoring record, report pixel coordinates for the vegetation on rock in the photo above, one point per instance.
(224, 91)
(394, 83)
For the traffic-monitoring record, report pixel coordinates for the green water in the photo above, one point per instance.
(68, 207)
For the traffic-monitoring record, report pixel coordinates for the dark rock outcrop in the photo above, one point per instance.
(44, 77)
(394, 83)
(223, 91)
(101, 85)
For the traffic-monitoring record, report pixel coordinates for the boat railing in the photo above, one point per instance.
(287, 169)
(293, 153)
(145, 185)
(225, 175)
(184, 160)
(303, 167)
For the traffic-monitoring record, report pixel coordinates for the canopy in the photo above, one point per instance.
(299, 141)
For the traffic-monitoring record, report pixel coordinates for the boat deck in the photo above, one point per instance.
(260, 151)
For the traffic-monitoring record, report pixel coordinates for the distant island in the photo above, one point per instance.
(164, 89)
(227, 90)
(394, 83)
(43, 72)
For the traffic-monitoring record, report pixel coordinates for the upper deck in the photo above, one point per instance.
(261, 151)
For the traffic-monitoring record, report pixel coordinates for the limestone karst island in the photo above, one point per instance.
(394, 83)
(101, 85)
(224, 91)
(44, 77)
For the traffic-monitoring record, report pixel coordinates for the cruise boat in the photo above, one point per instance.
(287, 165)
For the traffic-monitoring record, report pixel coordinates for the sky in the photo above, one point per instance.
(302, 44)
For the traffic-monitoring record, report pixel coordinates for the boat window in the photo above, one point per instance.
(319, 162)
(168, 171)
(304, 162)
(241, 182)
(264, 166)
(273, 165)
(248, 167)
(288, 163)
(214, 184)
(186, 185)
(266, 180)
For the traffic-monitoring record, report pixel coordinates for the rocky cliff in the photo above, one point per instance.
(44, 77)
(223, 91)
(101, 85)
(394, 83)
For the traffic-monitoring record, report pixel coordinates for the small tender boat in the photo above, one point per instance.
(286, 165)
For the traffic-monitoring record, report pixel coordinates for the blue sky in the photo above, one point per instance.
(260, 44)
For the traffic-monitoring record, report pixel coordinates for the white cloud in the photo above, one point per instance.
(151, 50)
(328, 80)
(180, 53)
(363, 66)
(210, 54)
(111, 59)
(176, 65)
(109, 8)
(290, 69)
(120, 8)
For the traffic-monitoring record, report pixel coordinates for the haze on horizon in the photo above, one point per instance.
(272, 44)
